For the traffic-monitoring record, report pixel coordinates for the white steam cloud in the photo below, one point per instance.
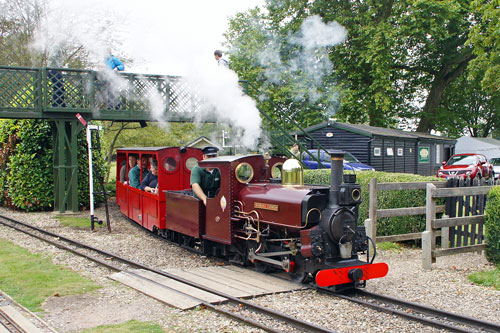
(223, 99)
(308, 65)
(158, 37)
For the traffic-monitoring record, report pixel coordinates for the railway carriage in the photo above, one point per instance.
(309, 231)
(174, 171)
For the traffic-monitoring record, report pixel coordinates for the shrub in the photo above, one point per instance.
(492, 226)
(26, 160)
(386, 199)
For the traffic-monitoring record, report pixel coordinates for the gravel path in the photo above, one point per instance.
(445, 287)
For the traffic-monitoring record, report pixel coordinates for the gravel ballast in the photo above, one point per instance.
(446, 287)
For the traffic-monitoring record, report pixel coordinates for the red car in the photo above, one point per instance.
(466, 165)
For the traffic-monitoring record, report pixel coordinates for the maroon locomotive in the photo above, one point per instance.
(309, 231)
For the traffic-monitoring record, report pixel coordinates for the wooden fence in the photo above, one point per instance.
(374, 213)
(462, 225)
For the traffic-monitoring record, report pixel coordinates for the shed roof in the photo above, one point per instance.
(381, 131)
(198, 142)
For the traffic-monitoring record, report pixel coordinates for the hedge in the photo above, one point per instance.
(492, 226)
(386, 199)
(26, 161)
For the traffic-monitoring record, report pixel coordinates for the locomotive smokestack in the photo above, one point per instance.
(337, 170)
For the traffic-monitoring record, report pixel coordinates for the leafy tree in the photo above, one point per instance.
(485, 38)
(468, 110)
(398, 60)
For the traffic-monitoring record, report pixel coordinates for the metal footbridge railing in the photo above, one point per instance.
(60, 93)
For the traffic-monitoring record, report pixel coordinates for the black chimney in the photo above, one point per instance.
(337, 170)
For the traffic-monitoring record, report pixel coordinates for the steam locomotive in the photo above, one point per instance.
(273, 223)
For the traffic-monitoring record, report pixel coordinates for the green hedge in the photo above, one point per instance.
(26, 165)
(386, 199)
(492, 225)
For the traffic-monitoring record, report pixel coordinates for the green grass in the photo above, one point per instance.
(30, 278)
(129, 326)
(488, 278)
(76, 222)
(389, 246)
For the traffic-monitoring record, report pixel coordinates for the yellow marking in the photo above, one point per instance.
(266, 206)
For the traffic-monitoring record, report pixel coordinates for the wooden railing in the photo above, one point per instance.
(375, 213)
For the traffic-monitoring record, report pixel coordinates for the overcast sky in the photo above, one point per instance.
(162, 36)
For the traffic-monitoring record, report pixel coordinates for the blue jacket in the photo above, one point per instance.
(113, 62)
(150, 180)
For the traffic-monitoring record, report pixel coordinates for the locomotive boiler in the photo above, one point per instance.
(263, 215)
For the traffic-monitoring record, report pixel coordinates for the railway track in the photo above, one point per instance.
(416, 312)
(104, 258)
(7, 323)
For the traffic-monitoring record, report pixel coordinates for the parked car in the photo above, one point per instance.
(466, 165)
(495, 161)
(350, 162)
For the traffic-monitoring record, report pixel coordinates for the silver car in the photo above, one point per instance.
(496, 166)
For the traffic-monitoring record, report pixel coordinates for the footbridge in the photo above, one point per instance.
(58, 94)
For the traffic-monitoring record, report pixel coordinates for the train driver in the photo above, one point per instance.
(134, 174)
(150, 182)
(205, 182)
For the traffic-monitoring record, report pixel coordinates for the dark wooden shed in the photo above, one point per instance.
(384, 149)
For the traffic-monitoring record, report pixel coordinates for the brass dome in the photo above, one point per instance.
(292, 173)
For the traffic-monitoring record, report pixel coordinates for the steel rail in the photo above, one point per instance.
(465, 320)
(276, 314)
(415, 307)
(9, 323)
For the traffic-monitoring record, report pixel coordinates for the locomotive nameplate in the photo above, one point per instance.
(266, 206)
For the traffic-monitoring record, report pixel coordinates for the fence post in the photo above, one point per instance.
(369, 230)
(372, 210)
(429, 236)
(445, 237)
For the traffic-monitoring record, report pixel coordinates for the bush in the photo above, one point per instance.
(386, 199)
(492, 225)
(26, 160)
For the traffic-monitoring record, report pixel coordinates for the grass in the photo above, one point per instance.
(76, 222)
(389, 246)
(129, 326)
(30, 278)
(488, 278)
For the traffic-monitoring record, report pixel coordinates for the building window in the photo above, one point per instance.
(438, 153)
(377, 151)
(400, 151)
(390, 151)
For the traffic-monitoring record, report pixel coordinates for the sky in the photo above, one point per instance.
(161, 36)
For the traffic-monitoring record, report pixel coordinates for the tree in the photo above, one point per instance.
(291, 78)
(397, 61)
(468, 110)
(18, 21)
(485, 38)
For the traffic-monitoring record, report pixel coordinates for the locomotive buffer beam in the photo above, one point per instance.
(285, 263)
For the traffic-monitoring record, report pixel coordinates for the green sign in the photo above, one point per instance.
(423, 154)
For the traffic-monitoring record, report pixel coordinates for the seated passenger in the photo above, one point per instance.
(123, 172)
(205, 182)
(150, 182)
(144, 166)
(134, 175)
